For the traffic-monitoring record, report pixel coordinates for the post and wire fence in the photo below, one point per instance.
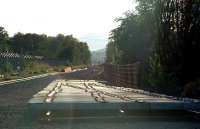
(122, 75)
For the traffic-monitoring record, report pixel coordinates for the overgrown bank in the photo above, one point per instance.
(163, 36)
(17, 54)
(59, 47)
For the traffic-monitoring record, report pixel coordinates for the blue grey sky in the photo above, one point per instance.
(88, 20)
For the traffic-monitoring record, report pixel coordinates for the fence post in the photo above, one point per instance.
(122, 75)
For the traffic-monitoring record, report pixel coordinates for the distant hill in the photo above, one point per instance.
(98, 56)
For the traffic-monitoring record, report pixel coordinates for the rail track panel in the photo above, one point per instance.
(76, 98)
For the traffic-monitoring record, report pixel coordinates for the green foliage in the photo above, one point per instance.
(59, 48)
(132, 40)
(177, 45)
(59, 68)
(62, 48)
(3, 40)
(32, 68)
(159, 80)
(113, 54)
(6, 68)
(163, 33)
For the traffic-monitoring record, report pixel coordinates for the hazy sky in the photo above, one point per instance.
(88, 20)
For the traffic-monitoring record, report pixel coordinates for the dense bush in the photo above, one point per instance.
(164, 36)
(6, 68)
(32, 68)
(192, 89)
(60, 47)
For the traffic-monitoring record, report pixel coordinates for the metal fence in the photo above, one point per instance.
(16, 55)
(122, 75)
(18, 59)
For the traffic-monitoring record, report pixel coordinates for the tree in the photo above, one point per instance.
(164, 35)
(4, 46)
(177, 45)
(133, 39)
(60, 47)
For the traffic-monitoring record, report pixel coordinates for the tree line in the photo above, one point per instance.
(60, 47)
(163, 36)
